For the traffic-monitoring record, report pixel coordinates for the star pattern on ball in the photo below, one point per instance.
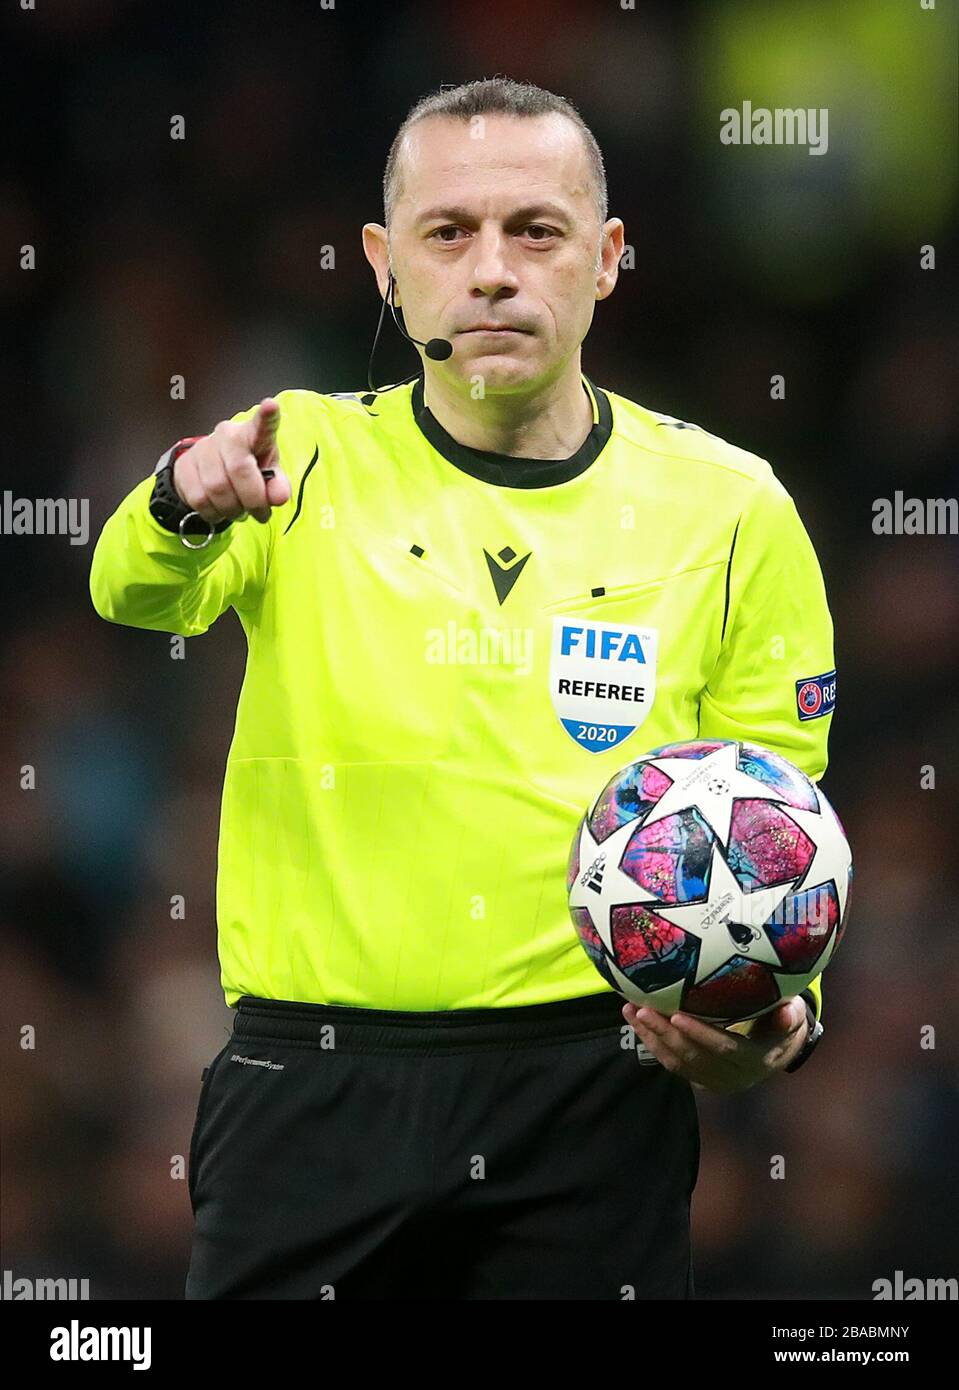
(709, 785)
(832, 851)
(728, 907)
(666, 1000)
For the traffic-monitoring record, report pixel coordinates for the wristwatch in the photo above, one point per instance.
(167, 506)
(812, 1038)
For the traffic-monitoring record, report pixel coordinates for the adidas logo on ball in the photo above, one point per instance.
(593, 877)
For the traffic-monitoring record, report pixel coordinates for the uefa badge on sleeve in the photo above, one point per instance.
(816, 695)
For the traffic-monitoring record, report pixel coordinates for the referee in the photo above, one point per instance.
(429, 1091)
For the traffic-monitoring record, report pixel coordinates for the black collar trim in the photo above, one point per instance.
(504, 470)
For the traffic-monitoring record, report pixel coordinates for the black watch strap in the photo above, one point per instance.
(166, 505)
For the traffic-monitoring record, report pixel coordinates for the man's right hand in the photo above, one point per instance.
(222, 475)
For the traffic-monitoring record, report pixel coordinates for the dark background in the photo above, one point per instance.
(202, 257)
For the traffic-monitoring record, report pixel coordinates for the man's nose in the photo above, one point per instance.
(491, 269)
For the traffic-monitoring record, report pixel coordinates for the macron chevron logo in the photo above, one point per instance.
(504, 579)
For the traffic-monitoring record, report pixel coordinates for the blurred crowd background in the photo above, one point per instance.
(203, 257)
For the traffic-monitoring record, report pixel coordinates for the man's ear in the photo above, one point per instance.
(376, 251)
(610, 253)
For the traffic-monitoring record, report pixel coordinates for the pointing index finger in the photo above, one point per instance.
(265, 424)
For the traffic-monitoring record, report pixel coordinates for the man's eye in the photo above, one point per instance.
(440, 233)
(536, 227)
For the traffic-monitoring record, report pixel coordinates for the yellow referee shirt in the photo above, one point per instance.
(413, 747)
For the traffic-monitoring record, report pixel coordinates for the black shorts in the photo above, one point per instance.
(478, 1153)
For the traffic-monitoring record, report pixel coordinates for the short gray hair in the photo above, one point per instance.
(494, 96)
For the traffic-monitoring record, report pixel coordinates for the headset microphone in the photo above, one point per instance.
(436, 349)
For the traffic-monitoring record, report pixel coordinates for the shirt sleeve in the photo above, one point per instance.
(142, 575)
(777, 639)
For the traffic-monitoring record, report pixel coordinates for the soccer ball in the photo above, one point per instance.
(712, 877)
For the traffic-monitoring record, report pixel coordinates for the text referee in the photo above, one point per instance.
(429, 1092)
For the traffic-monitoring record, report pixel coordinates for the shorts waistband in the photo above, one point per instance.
(442, 1030)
